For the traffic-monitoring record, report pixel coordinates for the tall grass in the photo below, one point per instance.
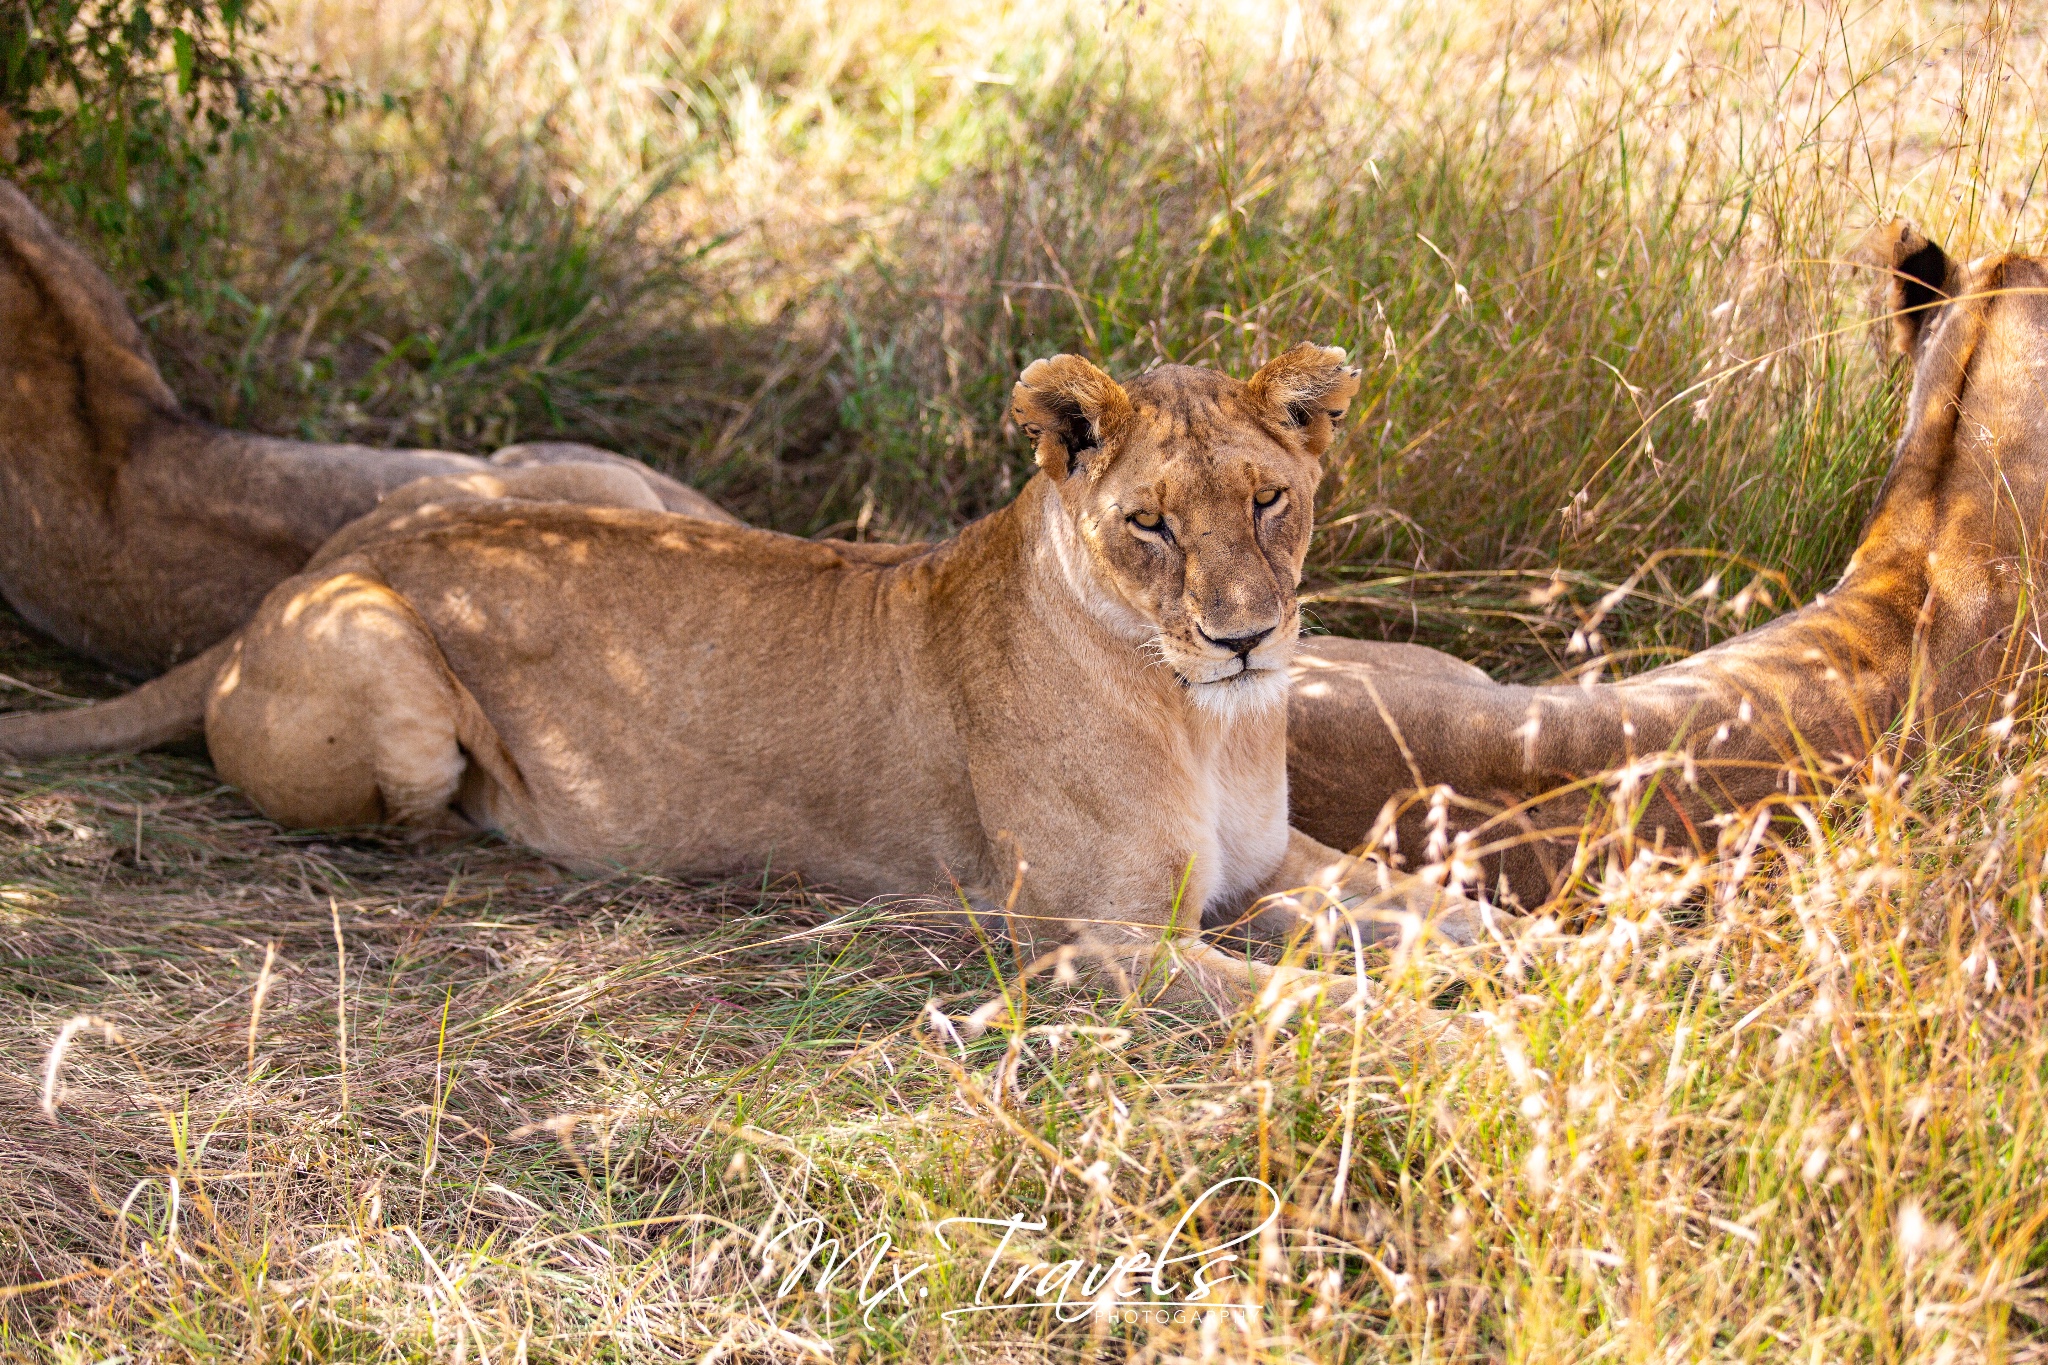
(1595, 257)
(1784, 1102)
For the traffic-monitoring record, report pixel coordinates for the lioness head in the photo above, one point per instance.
(1186, 499)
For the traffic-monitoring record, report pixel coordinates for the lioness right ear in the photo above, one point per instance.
(1070, 410)
(1920, 281)
(1306, 387)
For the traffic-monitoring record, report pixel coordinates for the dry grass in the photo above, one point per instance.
(1783, 1103)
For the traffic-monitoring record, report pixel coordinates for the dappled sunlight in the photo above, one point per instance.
(345, 604)
(625, 667)
(458, 610)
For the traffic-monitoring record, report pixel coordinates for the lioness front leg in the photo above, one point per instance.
(1185, 972)
(1364, 894)
(1135, 930)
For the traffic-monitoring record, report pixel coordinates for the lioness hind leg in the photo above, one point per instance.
(337, 708)
(410, 506)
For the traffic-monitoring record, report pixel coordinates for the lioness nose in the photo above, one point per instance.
(1240, 645)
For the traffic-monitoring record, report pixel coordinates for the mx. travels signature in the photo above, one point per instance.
(1162, 1285)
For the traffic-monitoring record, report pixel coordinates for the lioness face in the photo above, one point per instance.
(1191, 496)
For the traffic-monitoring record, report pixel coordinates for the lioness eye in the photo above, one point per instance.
(1266, 498)
(1149, 521)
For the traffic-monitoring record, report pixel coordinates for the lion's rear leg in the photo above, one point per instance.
(339, 709)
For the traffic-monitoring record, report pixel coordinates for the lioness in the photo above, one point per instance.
(1072, 715)
(1938, 608)
(116, 542)
(135, 533)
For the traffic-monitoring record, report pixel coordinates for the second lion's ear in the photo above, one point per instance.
(1071, 410)
(1308, 388)
(1919, 281)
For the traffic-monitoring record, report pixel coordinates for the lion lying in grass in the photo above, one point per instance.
(1072, 716)
(135, 533)
(1936, 621)
(138, 535)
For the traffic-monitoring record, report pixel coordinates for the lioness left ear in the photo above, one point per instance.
(1070, 410)
(1307, 387)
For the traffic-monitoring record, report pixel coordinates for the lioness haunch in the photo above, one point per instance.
(1089, 684)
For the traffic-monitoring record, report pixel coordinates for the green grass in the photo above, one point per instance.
(1781, 1104)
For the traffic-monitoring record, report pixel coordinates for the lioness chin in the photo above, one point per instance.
(1074, 712)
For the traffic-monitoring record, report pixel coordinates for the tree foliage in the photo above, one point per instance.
(116, 108)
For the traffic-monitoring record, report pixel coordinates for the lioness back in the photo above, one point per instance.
(679, 693)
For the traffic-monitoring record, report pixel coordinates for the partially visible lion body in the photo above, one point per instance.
(1936, 622)
(135, 533)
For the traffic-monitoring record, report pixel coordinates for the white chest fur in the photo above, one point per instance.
(1242, 793)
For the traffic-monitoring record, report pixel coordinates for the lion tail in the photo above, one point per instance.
(166, 708)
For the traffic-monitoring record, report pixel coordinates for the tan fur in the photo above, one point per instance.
(1937, 610)
(173, 706)
(130, 530)
(1038, 706)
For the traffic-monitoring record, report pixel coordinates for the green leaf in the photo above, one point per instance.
(183, 54)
